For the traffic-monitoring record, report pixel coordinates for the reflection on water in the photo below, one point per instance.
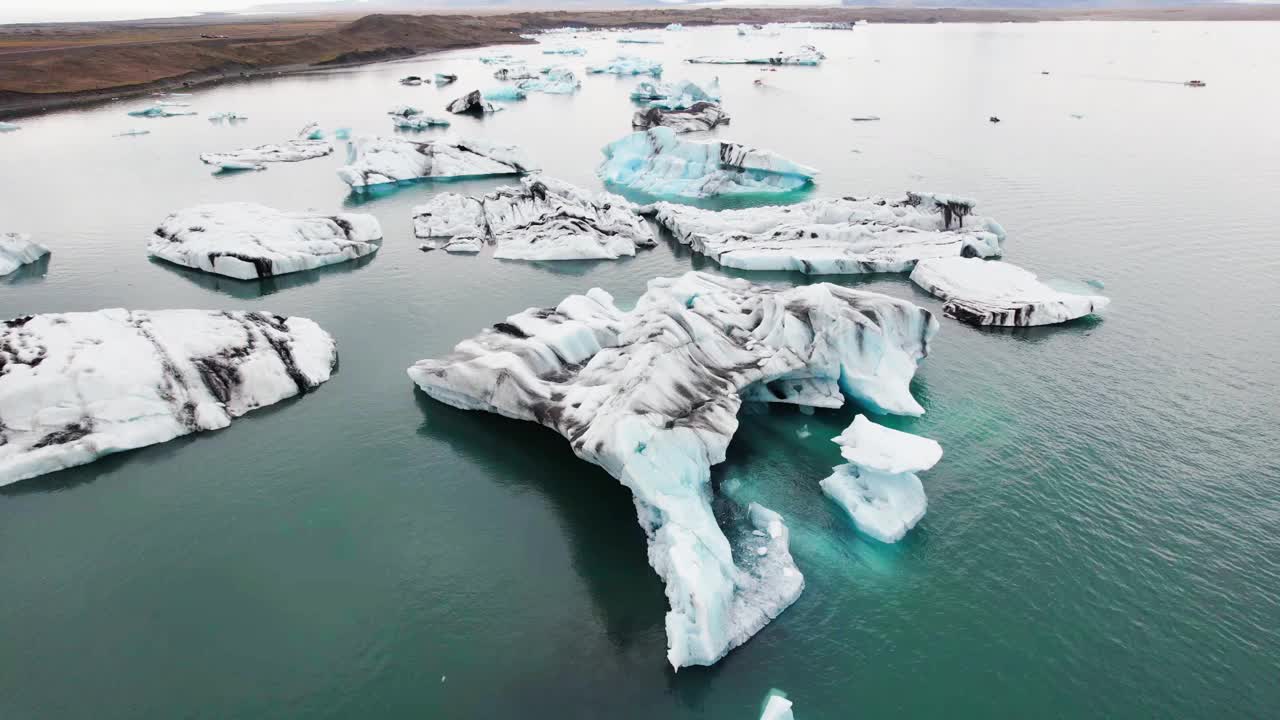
(261, 287)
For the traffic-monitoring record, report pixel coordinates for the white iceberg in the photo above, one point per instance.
(253, 158)
(983, 292)
(777, 707)
(381, 160)
(698, 117)
(77, 386)
(554, 81)
(9, 127)
(543, 219)
(159, 111)
(419, 122)
(404, 111)
(808, 55)
(675, 95)
(227, 117)
(659, 163)
(628, 66)
(652, 394)
(247, 241)
(473, 103)
(675, 26)
(133, 132)
(564, 51)
(878, 487)
(311, 131)
(832, 236)
(496, 59)
(16, 250)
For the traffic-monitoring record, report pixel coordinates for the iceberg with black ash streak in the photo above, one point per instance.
(833, 236)
(77, 386)
(628, 66)
(543, 219)
(652, 394)
(699, 117)
(247, 241)
(473, 103)
(381, 160)
(675, 95)
(981, 292)
(253, 158)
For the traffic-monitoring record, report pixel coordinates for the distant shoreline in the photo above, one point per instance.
(52, 66)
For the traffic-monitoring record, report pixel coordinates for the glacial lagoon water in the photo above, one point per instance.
(1103, 533)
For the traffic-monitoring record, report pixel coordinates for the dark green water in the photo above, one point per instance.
(1102, 534)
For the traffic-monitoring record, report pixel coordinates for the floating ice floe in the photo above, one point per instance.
(696, 118)
(808, 55)
(9, 127)
(506, 93)
(159, 111)
(16, 250)
(404, 111)
(132, 132)
(554, 81)
(564, 51)
(496, 59)
(981, 292)
(473, 103)
(777, 707)
(639, 40)
(253, 158)
(77, 386)
(380, 160)
(248, 241)
(652, 394)
(659, 163)
(419, 122)
(832, 236)
(878, 487)
(516, 72)
(445, 79)
(758, 30)
(411, 80)
(226, 116)
(543, 219)
(675, 95)
(628, 66)
(674, 26)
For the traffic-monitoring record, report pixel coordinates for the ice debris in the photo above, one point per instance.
(158, 111)
(982, 292)
(659, 163)
(564, 51)
(543, 219)
(777, 707)
(554, 81)
(652, 394)
(675, 95)
(404, 111)
(311, 131)
(380, 160)
(248, 241)
(132, 132)
(628, 66)
(419, 122)
(473, 103)
(77, 386)
(639, 40)
(226, 117)
(411, 80)
(698, 117)
(808, 55)
(9, 127)
(506, 93)
(16, 250)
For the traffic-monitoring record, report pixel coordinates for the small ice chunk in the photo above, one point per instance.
(698, 117)
(777, 707)
(506, 93)
(443, 79)
(419, 122)
(9, 127)
(159, 111)
(133, 132)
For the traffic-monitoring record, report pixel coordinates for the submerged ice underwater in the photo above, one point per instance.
(1009, 506)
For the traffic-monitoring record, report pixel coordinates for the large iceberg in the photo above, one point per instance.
(628, 66)
(659, 163)
(554, 81)
(981, 292)
(380, 160)
(652, 394)
(473, 103)
(247, 241)
(831, 236)
(675, 95)
(878, 487)
(77, 386)
(16, 250)
(254, 157)
(698, 117)
(543, 219)
(808, 55)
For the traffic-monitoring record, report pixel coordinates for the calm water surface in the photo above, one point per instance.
(1103, 535)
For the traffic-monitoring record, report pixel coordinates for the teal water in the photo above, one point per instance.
(1102, 534)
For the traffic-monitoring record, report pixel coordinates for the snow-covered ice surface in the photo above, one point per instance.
(652, 394)
(628, 66)
(381, 160)
(543, 219)
(473, 103)
(252, 158)
(675, 95)
(805, 56)
(16, 250)
(777, 707)
(247, 241)
(832, 236)
(699, 117)
(659, 163)
(77, 386)
(981, 292)
(878, 487)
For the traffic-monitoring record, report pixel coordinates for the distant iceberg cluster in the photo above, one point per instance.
(808, 55)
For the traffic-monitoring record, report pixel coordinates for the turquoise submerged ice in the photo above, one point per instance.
(675, 95)
(505, 93)
(660, 164)
(554, 81)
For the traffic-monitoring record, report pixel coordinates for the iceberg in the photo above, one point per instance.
(878, 487)
(675, 26)
(564, 51)
(404, 111)
(379, 160)
(159, 111)
(411, 80)
(808, 55)
(226, 116)
(675, 96)
(543, 219)
(419, 122)
(982, 292)
(248, 241)
(253, 158)
(473, 103)
(443, 79)
(77, 386)
(659, 163)
(651, 395)
(628, 66)
(831, 236)
(777, 707)
(501, 58)
(9, 127)
(311, 131)
(132, 132)
(638, 40)
(554, 81)
(507, 93)
(698, 117)
(16, 250)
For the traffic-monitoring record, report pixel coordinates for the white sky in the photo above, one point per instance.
(47, 10)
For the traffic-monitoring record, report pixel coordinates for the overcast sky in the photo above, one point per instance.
(39, 10)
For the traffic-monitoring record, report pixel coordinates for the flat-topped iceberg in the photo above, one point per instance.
(506, 93)
(473, 103)
(543, 219)
(659, 163)
(564, 51)
(777, 707)
(878, 487)
(554, 81)
(675, 95)
(247, 241)
(808, 55)
(227, 117)
(16, 250)
(628, 66)
(652, 394)
(418, 122)
(639, 40)
(159, 111)
(832, 236)
(698, 117)
(982, 292)
(77, 386)
(513, 72)
(254, 157)
(381, 160)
